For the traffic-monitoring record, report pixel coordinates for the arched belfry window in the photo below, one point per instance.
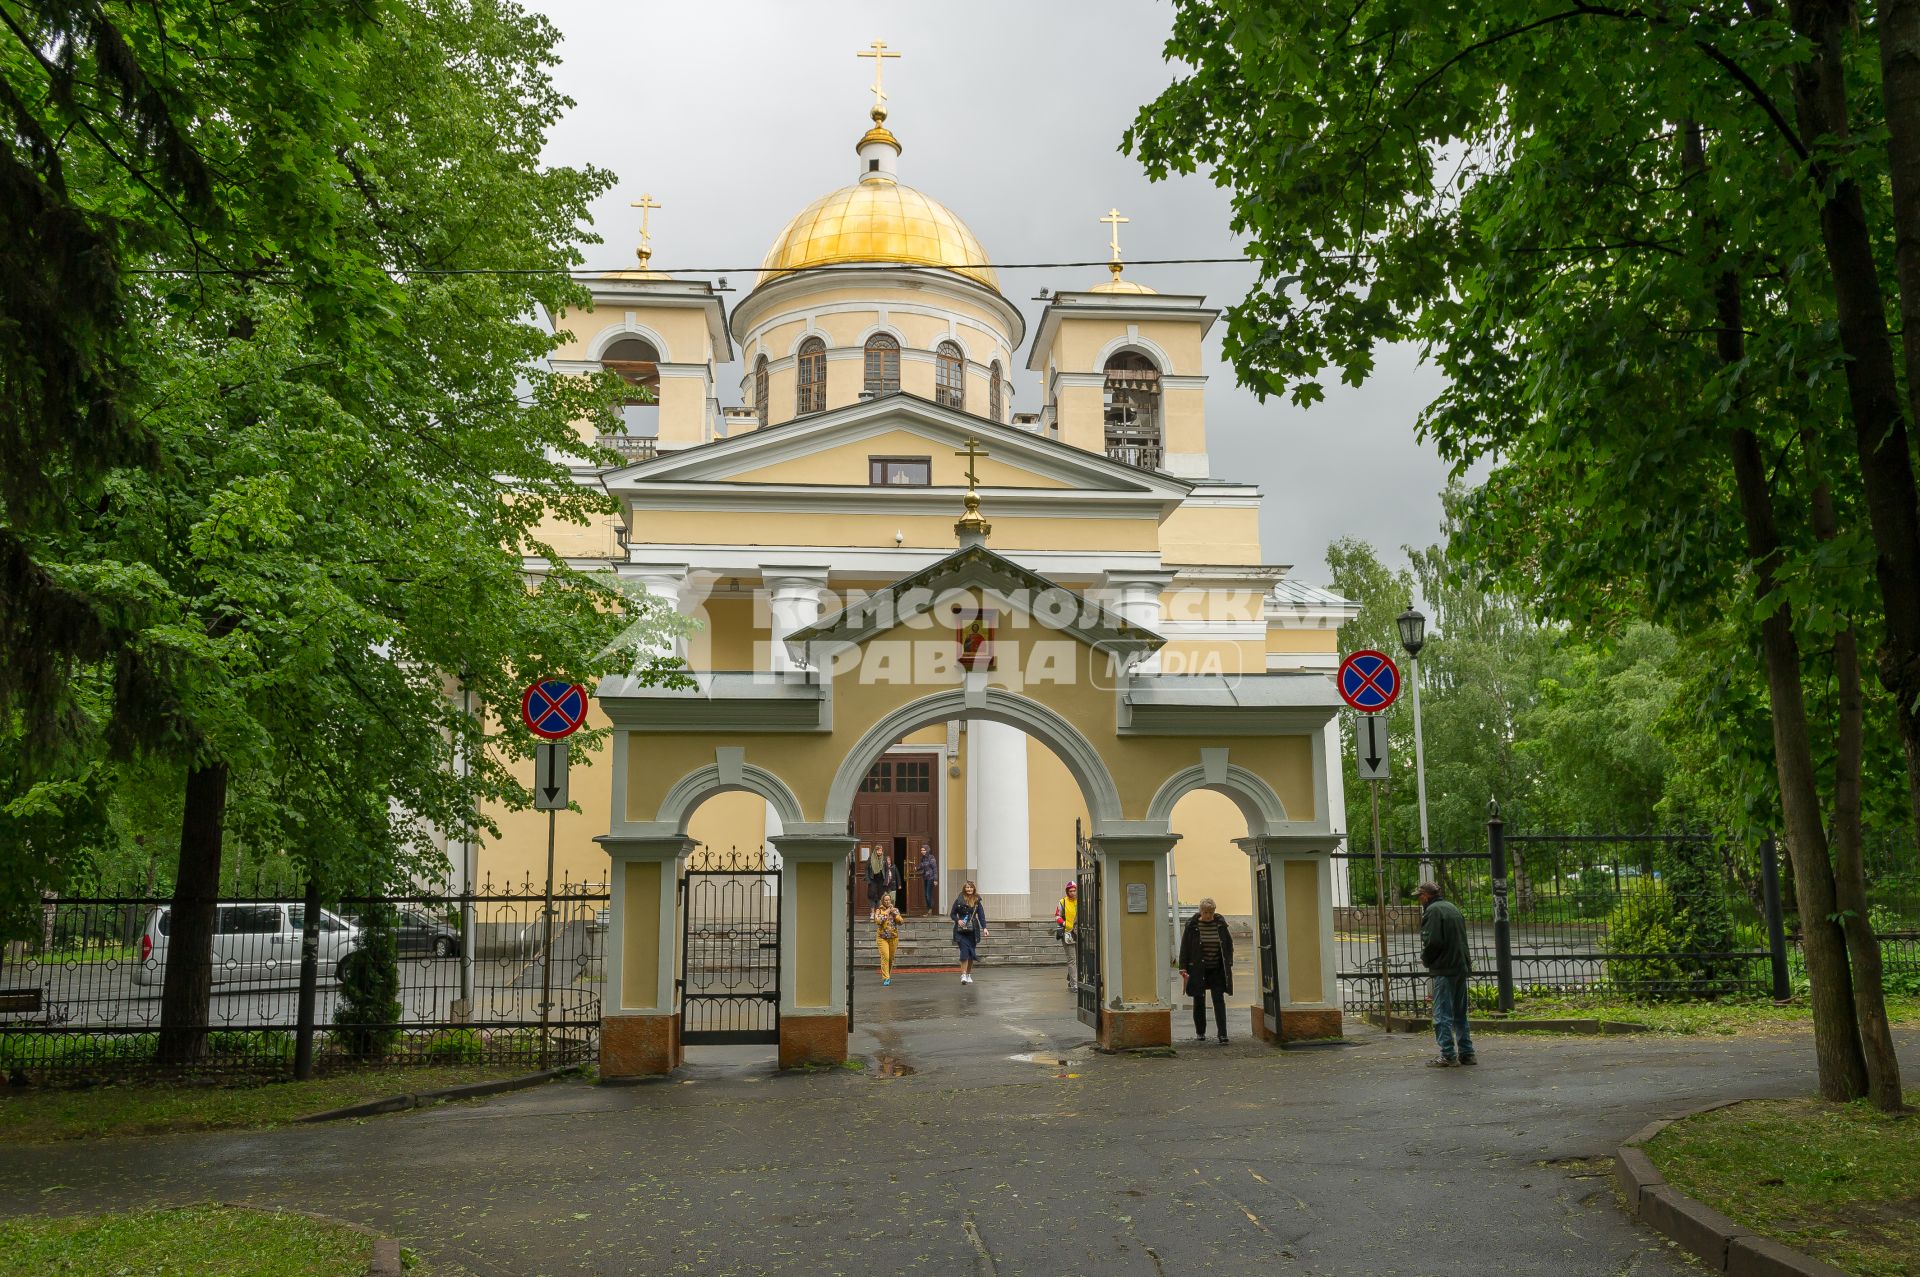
(810, 383)
(949, 375)
(1132, 402)
(760, 389)
(883, 365)
(996, 395)
(638, 363)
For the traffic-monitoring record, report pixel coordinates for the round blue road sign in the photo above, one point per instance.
(554, 709)
(1369, 681)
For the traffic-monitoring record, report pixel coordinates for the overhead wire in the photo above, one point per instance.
(583, 272)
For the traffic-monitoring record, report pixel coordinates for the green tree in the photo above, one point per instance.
(1639, 244)
(359, 445)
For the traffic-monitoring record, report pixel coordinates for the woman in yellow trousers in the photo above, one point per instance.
(886, 934)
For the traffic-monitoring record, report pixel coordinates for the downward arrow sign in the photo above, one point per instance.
(1373, 743)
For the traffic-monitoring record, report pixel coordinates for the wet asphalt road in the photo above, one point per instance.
(985, 1137)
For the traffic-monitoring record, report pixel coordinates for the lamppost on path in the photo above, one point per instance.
(1413, 637)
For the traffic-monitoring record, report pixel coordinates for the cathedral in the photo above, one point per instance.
(888, 379)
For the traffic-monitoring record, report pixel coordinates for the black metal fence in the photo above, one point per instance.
(483, 978)
(1611, 915)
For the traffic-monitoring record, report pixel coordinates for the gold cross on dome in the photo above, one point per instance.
(646, 205)
(878, 52)
(973, 453)
(1114, 220)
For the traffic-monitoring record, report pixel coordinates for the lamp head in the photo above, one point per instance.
(1413, 631)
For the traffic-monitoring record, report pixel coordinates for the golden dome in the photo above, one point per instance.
(878, 221)
(1118, 285)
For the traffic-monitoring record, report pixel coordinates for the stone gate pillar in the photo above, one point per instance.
(1301, 956)
(813, 947)
(640, 1017)
(1136, 1009)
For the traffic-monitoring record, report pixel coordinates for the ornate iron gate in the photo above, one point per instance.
(1269, 945)
(1086, 929)
(729, 948)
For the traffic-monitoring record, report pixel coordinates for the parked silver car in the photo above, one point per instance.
(259, 942)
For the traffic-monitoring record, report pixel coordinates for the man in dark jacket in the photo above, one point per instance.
(1443, 948)
(1206, 963)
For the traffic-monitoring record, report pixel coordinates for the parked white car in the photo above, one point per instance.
(252, 942)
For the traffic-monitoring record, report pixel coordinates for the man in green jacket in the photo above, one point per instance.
(1443, 948)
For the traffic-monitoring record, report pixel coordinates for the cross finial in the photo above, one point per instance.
(646, 205)
(1114, 220)
(973, 453)
(879, 52)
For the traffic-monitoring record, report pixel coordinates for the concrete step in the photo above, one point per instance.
(928, 942)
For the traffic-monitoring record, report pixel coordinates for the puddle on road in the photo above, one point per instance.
(891, 1066)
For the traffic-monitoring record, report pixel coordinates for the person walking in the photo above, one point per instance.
(886, 921)
(1443, 949)
(1206, 964)
(929, 878)
(969, 914)
(881, 878)
(1065, 914)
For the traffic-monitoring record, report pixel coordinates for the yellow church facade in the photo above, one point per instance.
(882, 365)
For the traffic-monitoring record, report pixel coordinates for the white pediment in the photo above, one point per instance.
(1015, 458)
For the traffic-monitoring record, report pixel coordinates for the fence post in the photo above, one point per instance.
(309, 983)
(1502, 928)
(1776, 922)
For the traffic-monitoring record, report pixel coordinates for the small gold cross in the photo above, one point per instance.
(646, 205)
(877, 51)
(1114, 220)
(973, 453)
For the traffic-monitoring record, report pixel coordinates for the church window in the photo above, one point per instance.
(895, 472)
(760, 390)
(638, 364)
(883, 365)
(949, 376)
(1131, 399)
(995, 393)
(810, 386)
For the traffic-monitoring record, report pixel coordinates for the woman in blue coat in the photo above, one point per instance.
(969, 914)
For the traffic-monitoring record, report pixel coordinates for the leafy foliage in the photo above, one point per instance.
(367, 1013)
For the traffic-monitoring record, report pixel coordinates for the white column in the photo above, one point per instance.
(666, 582)
(1137, 597)
(793, 601)
(997, 850)
(1336, 797)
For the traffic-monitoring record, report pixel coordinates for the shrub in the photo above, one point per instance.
(1680, 930)
(366, 1019)
(455, 1046)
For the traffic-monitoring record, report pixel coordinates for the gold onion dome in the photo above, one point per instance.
(1119, 285)
(878, 221)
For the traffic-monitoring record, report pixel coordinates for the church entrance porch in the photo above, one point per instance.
(1055, 666)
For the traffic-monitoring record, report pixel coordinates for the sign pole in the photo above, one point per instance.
(1380, 909)
(546, 948)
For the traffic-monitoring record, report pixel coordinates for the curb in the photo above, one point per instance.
(1479, 1025)
(384, 1261)
(470, 1091)
(1720, 1244)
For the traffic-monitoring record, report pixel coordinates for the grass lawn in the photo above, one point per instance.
(1726, 1018)
(1840, 1182)
(41, 1114)
(195, 1241)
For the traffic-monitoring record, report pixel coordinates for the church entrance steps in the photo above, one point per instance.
(928, 942)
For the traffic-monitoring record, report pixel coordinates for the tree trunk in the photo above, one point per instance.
(1836, 1037)
(187, 994)
(1879, 416)
(1849, 873)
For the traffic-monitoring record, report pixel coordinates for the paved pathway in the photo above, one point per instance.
(1232, 1159)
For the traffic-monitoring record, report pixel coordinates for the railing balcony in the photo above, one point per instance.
(631, 447)
(1141, 456)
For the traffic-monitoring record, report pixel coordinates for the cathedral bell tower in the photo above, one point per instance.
(1121, 370)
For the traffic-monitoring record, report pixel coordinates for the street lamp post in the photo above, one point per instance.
(1413, 637)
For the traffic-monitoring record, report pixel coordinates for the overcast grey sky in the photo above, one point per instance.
(735, 115)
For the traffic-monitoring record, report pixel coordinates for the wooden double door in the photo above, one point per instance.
(895, 814)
